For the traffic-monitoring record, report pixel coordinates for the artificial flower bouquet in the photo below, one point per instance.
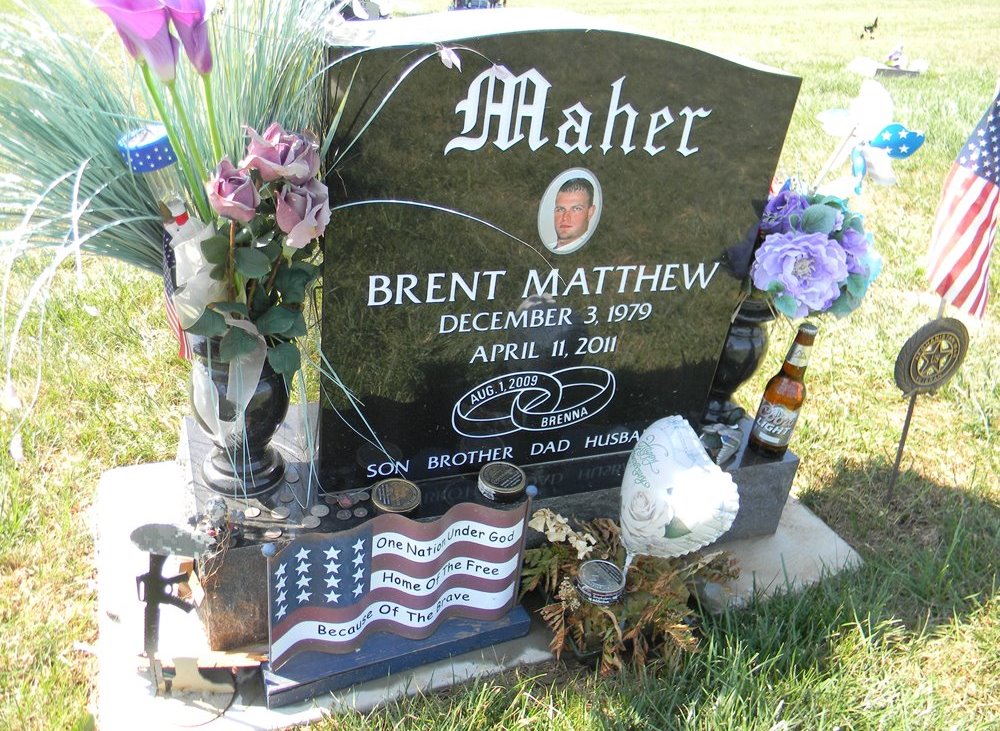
(248, 251)
(273, 211)
(815, 255)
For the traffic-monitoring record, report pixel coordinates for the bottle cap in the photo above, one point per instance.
(501, 481)
(147, 149)
(395, 495)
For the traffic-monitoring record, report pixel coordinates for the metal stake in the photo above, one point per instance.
(902, 443)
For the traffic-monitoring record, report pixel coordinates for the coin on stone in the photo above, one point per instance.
(360, 512)
(395, 495)
(272, 533)
(310, 521)
(320, 511)
(280, 513)
(252, 512)
(344, 515)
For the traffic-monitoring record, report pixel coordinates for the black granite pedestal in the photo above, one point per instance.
(763, 484)
(234, 608)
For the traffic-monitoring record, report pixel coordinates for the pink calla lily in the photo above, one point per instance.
(188, 12)
(144, 29)
(188, 17)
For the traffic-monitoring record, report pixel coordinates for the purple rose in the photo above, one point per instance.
(188, 17)
(143, 27)
(232, 192)
(807, 268)
(303, 212)
(280, 154)
(856, 248)
(780, 209)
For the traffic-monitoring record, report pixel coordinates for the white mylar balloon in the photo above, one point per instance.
(674, 498)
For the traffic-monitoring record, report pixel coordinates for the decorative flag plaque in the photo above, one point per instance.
(391, 594)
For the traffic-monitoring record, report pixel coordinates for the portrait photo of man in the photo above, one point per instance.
(569, 211)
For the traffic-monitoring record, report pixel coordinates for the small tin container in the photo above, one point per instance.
(395, 495)
(600, 582)
(501, 482)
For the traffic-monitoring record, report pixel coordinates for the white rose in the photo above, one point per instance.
(645, 516)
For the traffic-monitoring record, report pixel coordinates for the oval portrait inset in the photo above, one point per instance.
(569, 211)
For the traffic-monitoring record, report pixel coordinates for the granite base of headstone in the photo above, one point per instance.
(763, 484)
(234, 604)
(801, 552)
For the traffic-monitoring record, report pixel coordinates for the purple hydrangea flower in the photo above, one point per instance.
(838, 221)
(856, 248)
(807, 268)
(780, 209)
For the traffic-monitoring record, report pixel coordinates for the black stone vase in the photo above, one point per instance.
(242, 463)
(744, 349)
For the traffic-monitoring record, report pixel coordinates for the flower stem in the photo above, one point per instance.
(213, 124)
(274, 274)
(231, 263)
(195, 153)
(193, 181)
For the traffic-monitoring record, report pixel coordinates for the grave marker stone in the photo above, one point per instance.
(536, 256)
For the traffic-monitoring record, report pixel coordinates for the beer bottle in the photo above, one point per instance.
(783, 397)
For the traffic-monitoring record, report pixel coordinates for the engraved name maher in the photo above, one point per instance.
(518, 103)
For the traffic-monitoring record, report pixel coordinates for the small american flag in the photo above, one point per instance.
(169, 287)
(966, 224)
(329, 591)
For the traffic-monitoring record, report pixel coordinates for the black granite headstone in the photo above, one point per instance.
(534, 256)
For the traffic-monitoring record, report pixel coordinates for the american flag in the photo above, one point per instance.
(328, 591)
(169, 287)
(966, 224)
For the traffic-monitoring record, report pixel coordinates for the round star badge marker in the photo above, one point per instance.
(927, 361)
(931, 356)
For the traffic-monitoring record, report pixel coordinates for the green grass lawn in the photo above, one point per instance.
(910, 640)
